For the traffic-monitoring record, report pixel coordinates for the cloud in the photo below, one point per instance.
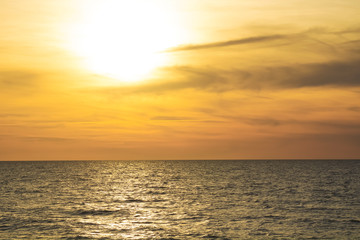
(266, 121)
(171, 118)
(343, 127)
(46, 139)
(293, 38)
(335, 74)
(16, 78)
(355, 109)
(344, 71)
(263, 121)
(349, 30)
(227, 43)
(35, 139)
(18, 83)
(10, 115)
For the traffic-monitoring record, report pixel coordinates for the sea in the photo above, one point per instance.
(244, 199)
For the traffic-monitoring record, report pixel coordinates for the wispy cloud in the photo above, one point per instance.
(227, 43)
(16, 78)
(10, 115)
(355, 109)
(35, 138)
(290, 37)
(46, 139)
(171, 118)
(340, 70)
(336, 74)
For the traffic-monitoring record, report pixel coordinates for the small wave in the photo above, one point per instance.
(192, 218)
(158, 200)
(157, 187)
(250, 217)
(156, 193)
(169, 238)
(5, 227)
(318, 209)
(209, 236)
(274, 217)
(133, 201)
(305, 220)
(78, 238)
(354, 221)
(98, 212)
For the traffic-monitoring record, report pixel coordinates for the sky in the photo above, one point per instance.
(159, 79)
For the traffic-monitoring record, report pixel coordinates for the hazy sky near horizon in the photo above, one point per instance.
(158, 79)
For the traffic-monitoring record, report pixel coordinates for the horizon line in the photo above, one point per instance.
(229, 159)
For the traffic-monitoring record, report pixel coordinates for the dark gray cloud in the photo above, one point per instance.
(227, 43)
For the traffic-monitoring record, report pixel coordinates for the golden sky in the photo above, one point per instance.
(180, 79)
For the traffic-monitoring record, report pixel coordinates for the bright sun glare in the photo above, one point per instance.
(124, 39)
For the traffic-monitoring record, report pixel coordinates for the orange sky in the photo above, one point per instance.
(157, 79)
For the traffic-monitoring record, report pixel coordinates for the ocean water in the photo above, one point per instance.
(180, 200)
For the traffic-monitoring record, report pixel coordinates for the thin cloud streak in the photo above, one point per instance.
(226, 43)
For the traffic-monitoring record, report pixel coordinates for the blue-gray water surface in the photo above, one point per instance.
(180, 200)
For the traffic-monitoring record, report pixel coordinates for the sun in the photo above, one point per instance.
(124, 39)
